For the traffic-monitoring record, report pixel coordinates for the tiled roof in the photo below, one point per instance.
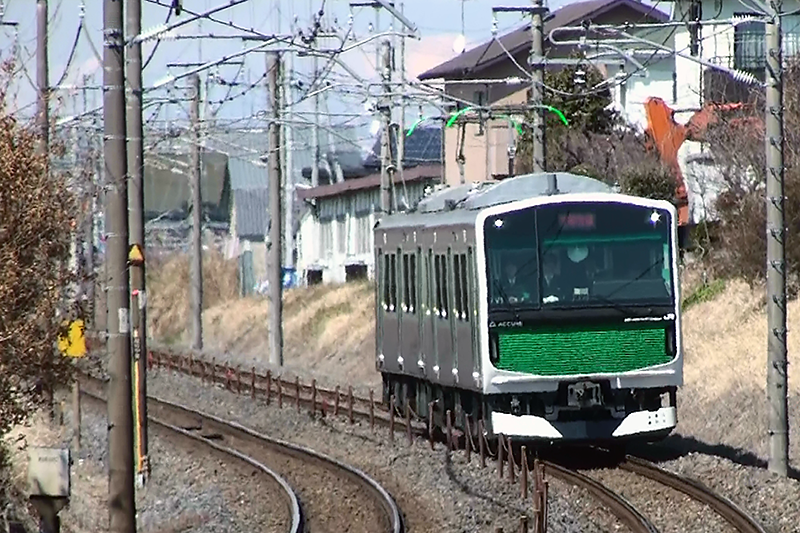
(518, 40)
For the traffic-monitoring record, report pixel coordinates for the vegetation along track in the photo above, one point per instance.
(333, 495)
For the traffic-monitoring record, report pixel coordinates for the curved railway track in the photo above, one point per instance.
(378, 413)
(616, 504)
(737, 517)
(294, 511)
(332, 494)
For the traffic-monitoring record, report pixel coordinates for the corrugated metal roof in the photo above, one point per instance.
(251, 213)
(247, 175)
(519, 40)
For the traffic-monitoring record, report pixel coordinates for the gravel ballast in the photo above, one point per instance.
(435, 491)
(191, 489)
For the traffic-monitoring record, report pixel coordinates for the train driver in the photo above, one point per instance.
(513, 286)
(552, 281)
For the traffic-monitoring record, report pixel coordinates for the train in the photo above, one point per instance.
(546, 306)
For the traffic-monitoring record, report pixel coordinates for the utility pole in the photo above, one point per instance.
(42, 80)
(197, 220)
(537, 87)
(137, 238)
(536, 60)
(776, 252)
(385, 108)
(275, 219)
(288, 175)
(89, 133)
(122, 511)
(401, 135)
(315, 128)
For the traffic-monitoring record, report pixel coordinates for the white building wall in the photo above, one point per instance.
(331, 245)
(716, 46)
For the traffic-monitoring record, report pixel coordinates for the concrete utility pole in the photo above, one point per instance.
(537, 87)
(315, 128)
(42, 78)
(385, 108)
(275, 219)
(776, 251)
(137, 239)
(401, 135)
(89, 132)
(197, 220)
(536, 61)
(122, 511)
(288, 174)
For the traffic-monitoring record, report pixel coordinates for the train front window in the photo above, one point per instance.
(583, 255)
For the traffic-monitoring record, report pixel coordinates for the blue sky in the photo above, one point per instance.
(439, 21)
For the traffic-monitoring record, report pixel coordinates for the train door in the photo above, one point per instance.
(463, 317)
(409, 323)
(389, 305)
(430, 319)
(444, 331)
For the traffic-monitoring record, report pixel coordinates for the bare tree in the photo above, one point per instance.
(37, 216)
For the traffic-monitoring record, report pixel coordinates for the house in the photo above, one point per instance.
(247, 156)
(167, 197)
(729, 38)
(487, 145)
(335, 241)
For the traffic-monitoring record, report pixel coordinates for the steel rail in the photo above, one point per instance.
(615, 503)
(737, 517)
(386, 502)
(289, 493)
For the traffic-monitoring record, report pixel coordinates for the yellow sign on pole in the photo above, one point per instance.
(71, 341)
(136, 256)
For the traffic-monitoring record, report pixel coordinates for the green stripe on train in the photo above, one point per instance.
(566, 350)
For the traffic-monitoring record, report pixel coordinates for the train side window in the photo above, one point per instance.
(445, 308)
(385, 279)
(457, 283)
(393, 280)
(412, 283)
(406, 297)
(463, 275)
(437, 276)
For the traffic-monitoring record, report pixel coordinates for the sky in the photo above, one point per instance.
(439, 23)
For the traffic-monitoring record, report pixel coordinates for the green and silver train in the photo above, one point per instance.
(546, 305)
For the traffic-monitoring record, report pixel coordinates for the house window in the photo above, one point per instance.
(749, 48)
(326, 239)
(341, 235)
(363, 235)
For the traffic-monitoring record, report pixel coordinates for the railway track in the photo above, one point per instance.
(380, 414)
(738, 518)
(333, 496)
(294, 513)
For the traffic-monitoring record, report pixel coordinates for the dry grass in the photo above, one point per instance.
(325, 328)
(726, 341)
(169, 294)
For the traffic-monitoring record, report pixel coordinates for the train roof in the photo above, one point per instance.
(462, 204)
